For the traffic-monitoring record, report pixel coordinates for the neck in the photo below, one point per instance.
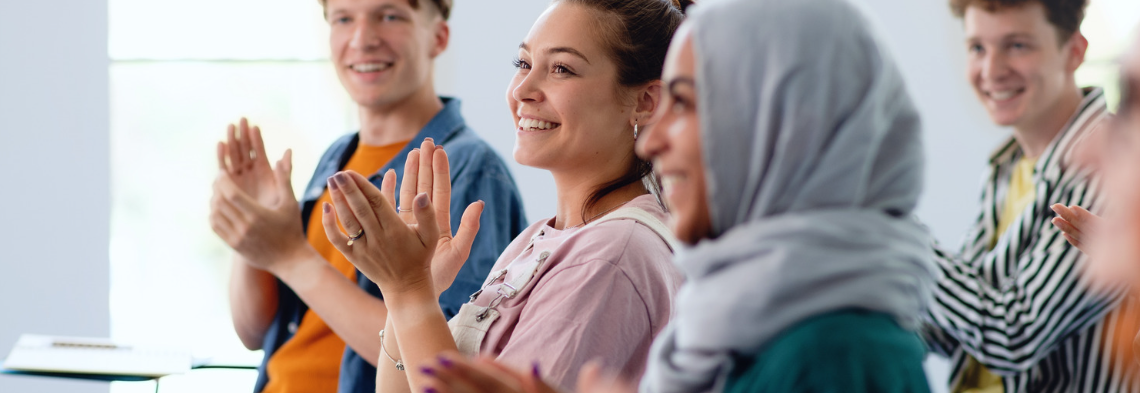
(573, 191)
(1034, 136)
(399, 121)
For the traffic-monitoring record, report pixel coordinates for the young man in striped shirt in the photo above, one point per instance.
(1011, 309)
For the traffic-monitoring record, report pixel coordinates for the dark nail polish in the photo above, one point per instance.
(430, 390)
(427, 370)
(534, 370)
(422, 201)
(327, 208)
(332, 183)
(445, 362)
(341, 179)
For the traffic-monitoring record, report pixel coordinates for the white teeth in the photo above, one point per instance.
(667, 182)
(370, 67)
(1002, 95)
(535, 124)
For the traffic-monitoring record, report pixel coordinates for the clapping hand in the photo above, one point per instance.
(253, 208)
(405, 248)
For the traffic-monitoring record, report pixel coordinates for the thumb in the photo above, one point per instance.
(284, 173)
(428, 229)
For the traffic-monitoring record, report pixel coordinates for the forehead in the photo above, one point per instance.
(1027, 19)
(564, 25)
(336, 5)
(679, 61)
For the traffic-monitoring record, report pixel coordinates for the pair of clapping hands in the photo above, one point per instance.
(401, 249)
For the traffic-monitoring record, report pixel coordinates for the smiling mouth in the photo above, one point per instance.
(536, 125)
(1004, 95)
(669, 182)
(370, 67)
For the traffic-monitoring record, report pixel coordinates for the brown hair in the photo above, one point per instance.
(443, 6)
(1065, 15)
(637, 35)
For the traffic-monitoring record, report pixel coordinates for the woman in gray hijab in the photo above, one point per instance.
(790, 156)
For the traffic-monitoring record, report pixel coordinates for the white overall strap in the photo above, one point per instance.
(645, 218)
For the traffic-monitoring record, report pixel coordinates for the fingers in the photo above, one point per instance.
(338, 239)
(351, 206)
(1065, 226)
(220, 221)
(469, 226)
(222, 156)
(237, 164)
(388, 186)
(427, 229)
(427, 155)
(461, 376)
(284, 173)
(258, 145)
(441, 190)
(244, 138)
(1072, 240)
(408, 186)
(1083, 216)
(381, 205)
(1064, 212)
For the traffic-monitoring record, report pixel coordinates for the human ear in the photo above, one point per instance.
(1077, 46)
(441, 37)
(648, 99)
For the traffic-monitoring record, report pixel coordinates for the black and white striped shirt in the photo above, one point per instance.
(1022, 309)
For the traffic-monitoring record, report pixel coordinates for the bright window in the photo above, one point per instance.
(1110, 26)
(181, 71)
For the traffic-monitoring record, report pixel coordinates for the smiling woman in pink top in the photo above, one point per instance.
(593, 282)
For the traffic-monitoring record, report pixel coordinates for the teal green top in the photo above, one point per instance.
(849, 351)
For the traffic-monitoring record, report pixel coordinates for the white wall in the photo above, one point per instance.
(54, 171)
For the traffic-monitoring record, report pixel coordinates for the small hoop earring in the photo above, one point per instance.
(635, 130)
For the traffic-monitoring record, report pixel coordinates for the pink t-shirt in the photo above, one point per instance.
(602, 293)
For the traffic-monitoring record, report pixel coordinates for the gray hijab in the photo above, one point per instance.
(814, 166)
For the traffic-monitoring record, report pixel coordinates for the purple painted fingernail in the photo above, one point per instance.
(430, 390)
(422, 200)
(332, 183)
(327, 208)
(427, 370)
(534, 369)
(445, 362)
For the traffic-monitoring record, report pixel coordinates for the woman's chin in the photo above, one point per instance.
(529, 157)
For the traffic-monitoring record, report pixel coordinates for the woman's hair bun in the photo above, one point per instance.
(682, 4)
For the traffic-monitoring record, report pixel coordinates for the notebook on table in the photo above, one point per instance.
(94, 356)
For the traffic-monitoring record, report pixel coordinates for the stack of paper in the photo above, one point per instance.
(80, 355)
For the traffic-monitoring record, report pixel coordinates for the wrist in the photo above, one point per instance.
(412, 300)
(294, 264)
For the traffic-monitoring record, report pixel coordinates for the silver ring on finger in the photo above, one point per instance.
(352, 239)
(403, 210)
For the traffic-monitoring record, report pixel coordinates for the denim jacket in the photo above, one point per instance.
(477, 173)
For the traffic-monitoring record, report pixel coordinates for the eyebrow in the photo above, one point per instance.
(560, 49)
(1006, 37)
(678, 81)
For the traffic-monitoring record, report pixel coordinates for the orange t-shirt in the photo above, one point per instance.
(310, 361)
